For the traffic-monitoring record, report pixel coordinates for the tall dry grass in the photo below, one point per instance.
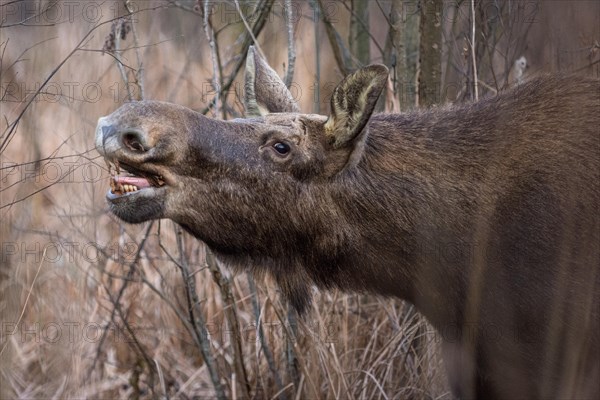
(92, 308)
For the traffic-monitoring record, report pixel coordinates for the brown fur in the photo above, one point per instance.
(484, 215)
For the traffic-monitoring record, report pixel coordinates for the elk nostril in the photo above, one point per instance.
(133, 141)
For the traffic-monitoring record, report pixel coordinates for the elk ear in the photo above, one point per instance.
(265, 92)
(352, 104)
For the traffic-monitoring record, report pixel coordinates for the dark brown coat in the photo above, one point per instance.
(484, 215)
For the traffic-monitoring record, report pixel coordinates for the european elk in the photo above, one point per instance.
(484, 215)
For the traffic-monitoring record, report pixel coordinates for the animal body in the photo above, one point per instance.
(485, 215)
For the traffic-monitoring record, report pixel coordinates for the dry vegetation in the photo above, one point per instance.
(92, 308)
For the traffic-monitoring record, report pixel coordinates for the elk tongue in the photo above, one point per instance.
(133, 180)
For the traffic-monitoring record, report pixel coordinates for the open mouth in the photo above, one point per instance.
(132, 181)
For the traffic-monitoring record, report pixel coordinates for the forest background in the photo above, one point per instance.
(93, 308)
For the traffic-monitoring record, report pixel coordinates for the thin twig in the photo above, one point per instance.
(265, 7)
(130, 271)
(291, 337)
(340, 52)
(139, 76)
(132, 338)
(162, 380)
(230, 311)
(12, 127)
(475, 79)
(210, 35)
(365, 26)
(8, 134)
(26, 299)
(289, 76)
(317, 98)
(197, 318)
(34, 16)
(248, 29)
(117, 55)
(261, 335)
(68, 173)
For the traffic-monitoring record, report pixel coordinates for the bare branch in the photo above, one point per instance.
(139, 76)
(210, 36)
(289, 76)
(11, 129)
(230, 311)
(196, 317)
(120, 294)
(340, 52)
(263, 8)
(474, 60)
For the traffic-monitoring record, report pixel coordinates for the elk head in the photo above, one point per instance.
(252, 189)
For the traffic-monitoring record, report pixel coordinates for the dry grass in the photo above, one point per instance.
(90, 308)
(89, 313)
(347, 347)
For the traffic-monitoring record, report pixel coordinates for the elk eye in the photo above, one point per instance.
(281, 148)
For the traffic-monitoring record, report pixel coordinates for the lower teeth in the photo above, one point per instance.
(118, 188)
